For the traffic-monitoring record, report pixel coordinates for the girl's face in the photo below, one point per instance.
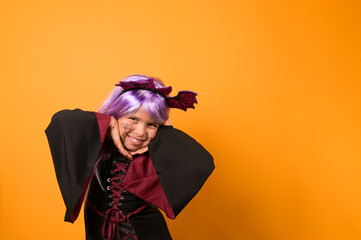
(137, 130)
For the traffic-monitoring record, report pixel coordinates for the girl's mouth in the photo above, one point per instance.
(135, 141)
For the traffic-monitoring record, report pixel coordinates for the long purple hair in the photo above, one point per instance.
(120, 104)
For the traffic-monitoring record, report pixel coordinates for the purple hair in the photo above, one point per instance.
(119, 105)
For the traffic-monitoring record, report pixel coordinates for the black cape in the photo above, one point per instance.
(75, 139)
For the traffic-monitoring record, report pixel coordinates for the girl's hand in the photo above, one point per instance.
(140, 151)
(114, 134)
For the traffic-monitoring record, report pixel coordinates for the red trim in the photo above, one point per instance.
(94, 208)
(142, 180)
(103, 123)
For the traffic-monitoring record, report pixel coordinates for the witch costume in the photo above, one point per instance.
(124, 203)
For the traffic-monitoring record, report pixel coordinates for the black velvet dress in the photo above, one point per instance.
(166, 178)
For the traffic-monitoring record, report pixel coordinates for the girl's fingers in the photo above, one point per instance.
(115, 136)
(124, 152)
(121, 148)
(140, 151)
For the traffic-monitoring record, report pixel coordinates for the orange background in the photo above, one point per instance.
(279, 107)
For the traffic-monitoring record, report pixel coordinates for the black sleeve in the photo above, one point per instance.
(182, 165)
(75, 141)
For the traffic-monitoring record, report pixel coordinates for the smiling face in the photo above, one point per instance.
(137, 130)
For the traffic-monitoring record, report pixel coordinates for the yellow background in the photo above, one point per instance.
(279, 107)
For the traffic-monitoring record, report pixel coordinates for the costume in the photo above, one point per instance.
(167, 177)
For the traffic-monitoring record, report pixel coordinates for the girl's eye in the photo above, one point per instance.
(153, 125)
(133, 119)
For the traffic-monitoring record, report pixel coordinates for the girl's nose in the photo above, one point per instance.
(139, 130)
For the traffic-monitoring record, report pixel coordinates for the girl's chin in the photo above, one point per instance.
(132, 148)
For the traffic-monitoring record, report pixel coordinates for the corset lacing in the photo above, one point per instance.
(114, 216)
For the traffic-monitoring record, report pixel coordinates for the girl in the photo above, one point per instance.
(127, 159)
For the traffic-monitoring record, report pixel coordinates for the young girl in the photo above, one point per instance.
(128, 161)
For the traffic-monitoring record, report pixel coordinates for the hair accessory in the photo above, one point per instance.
(184, 99)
